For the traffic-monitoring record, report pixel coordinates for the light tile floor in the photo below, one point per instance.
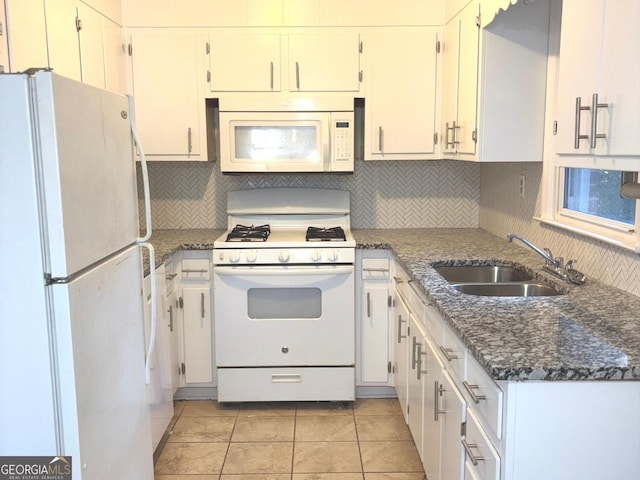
(366, 440)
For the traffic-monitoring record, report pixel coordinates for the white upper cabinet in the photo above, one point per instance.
(324, 62)
(168, 98)
(27, 36)
(598, 96)
(500, 79)
(400, 72)
(275, 62)
(244, 62)
(62, 37)
(460, 81)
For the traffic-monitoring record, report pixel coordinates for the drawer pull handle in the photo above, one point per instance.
(400, 322)
(420, 372)
(195, 270)
(414, 357)
(171, 276)
(471, 390)
(370, 269)
(286, 378)
(419, 295)
(398, 279)
(447, 352)
(368, 305)
(472, 458)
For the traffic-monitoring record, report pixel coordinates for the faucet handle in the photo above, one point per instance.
(570, 264)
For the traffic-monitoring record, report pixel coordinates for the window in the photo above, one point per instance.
(596, 193)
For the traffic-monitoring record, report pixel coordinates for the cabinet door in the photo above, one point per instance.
(324, 62)
(27, 34)
(244, 62)
(416, 383)
(467, 80)
(375, 332)
(91, 46)
(453, 408)
(62, 37)
(460, 81)
(431, 446)
(400, 352)
(167, 99)
(198, 350)
(115, 60)
(172, 312)
(400, 77)
(619, 80)
(580, 47)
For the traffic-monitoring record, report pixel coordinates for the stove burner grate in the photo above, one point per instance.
(243, 233)
(315, 234)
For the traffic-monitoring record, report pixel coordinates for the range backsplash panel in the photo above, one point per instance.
(393, 194)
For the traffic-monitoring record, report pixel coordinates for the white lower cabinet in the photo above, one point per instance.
(476, 428)
(196, 319)
(373, 307)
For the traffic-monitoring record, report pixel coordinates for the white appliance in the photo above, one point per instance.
(301, 136)
(284, 297)
(72, 355)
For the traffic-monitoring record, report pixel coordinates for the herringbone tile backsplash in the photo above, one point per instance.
(503, 211)
(403, 194)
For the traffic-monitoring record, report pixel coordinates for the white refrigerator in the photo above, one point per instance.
(72, 347)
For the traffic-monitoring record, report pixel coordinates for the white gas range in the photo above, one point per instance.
(284, 297)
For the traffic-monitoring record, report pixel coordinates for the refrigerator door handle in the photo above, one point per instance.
(145, 172)
(154, 322)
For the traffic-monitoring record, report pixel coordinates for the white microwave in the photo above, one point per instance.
(286, 142)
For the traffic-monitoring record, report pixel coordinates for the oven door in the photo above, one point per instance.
(284, 315)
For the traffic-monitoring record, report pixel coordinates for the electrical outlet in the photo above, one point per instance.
(521, 186)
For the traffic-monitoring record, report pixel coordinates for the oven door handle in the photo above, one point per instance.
(285, 271)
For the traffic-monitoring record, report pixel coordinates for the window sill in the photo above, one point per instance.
(586, 233)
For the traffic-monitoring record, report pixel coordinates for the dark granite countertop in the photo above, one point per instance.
(590, 333)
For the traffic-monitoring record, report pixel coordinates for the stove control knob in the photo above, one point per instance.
(234, 256)
(252, 256)
(316, 255)
(333, 255)
(284, 256)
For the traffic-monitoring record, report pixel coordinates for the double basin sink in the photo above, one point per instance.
(494, 281)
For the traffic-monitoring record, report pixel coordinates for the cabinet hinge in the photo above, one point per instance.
(181, 302)
(1, 29)
(360, 76)
(408, 331)
(407, 410)
(435, 138)
(360, 47)
(208, 76)
(474, 136)
(389, 368)
(437, 46)
(555, 127)
(78, 24)
(463, 429)
(394, 303)
(207, 48)
(389, 301)
(130, 49)
(183, 368)
(478, 21)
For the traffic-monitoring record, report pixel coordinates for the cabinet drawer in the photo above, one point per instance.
(375, 268)
(453, 352)
(195, 269)
(485, 395)
(482, 459)
(286, 384)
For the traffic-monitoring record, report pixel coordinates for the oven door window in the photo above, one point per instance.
(284, 303)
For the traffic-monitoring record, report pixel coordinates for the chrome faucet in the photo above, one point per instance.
(553, 265)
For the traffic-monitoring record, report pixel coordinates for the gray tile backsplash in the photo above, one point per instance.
(392, 194)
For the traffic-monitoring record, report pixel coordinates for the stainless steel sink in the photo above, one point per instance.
(507, 289)
(482, 274)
